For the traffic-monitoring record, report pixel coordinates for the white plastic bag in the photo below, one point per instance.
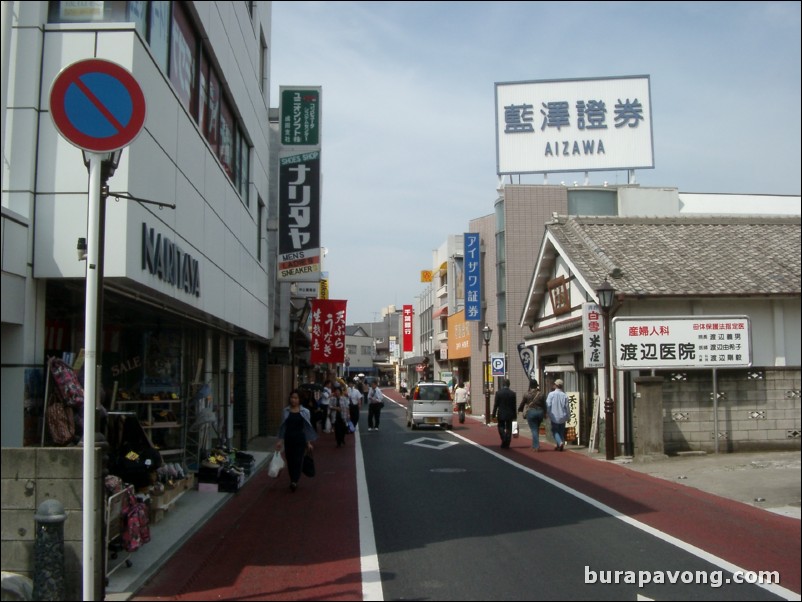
(514, 428)
(327, 426)
(276, 464)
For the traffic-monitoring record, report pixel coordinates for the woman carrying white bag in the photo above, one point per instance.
(295, 435)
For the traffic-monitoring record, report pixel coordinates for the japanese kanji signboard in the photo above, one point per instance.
(682, 342)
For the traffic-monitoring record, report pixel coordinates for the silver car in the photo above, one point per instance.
(430, 404)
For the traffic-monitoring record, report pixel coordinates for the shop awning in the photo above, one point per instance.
(443, 267)
(439, 312)
(411, 361)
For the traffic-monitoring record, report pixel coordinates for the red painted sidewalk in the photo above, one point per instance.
(270, 544)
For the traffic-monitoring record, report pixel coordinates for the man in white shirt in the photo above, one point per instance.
(354, 401)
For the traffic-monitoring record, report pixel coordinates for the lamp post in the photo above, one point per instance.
(487, 332)
(606, 295)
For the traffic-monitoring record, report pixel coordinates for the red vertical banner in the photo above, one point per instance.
(328, 331)
(407, 326)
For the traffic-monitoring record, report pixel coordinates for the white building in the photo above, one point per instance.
(186, 289)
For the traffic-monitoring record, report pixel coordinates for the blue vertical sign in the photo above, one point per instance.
(473, 277)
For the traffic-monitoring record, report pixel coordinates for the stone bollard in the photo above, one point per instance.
(48, 552)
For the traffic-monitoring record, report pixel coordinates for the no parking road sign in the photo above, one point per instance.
(97, 105)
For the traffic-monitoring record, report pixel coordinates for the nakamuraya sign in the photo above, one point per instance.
(550, 126)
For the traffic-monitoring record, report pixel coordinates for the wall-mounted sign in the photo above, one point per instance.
(169, 263)
(682, 342)
(299, 217)
(407, 328)
(473, 277)
(593, 342)
(300, 116)
(550, 126)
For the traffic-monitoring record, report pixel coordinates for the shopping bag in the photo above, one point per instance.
(514, 428)
(350, 425)
(308, 466)
(276, 464)
(327, 426)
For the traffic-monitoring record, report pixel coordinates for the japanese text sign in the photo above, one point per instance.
(573, 125)
(407, 328)
(299, 217)
(682, 342)
(300, 116)
(593, 342)
(328, 331)
(473, 277)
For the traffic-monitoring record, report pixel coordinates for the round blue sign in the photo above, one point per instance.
(97, 105)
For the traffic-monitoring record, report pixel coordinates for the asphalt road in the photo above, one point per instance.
(455, 521)
(399, 514)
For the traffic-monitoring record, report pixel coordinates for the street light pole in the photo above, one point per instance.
(606, 296)
(487, 332)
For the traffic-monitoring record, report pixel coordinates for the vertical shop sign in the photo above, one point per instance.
(407, 316)
(328, 331)
(300, 116)
(473, 278)
(299, 217)
(593, 347)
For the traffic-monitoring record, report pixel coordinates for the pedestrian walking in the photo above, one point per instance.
(461, 399)
(323, 403)
(375, 403)
(504, 411)
(558, 410)
(354, 402)
(533, 408)
(295, 435)
(338, 409)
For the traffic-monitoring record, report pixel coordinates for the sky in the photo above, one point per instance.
(408, 144)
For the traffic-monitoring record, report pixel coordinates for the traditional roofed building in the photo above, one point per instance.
(675, 267)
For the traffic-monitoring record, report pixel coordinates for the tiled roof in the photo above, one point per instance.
(687, 256)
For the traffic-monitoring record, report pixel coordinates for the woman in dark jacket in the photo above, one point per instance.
(295, 435)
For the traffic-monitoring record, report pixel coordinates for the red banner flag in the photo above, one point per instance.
(328, 331)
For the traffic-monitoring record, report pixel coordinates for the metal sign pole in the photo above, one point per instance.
(715, 410)
(90, 373)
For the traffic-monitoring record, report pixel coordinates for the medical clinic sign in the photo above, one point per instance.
(574, 125)
(682, 342)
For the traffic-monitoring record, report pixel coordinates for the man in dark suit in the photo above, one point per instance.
(505, 411)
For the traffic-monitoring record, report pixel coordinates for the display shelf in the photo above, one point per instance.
(161, 425)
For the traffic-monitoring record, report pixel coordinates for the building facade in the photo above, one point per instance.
(185, 264)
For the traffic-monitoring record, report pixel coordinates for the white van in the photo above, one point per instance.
(430, 404)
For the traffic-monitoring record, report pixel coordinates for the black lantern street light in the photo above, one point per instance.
(487, 332)
(606, 296)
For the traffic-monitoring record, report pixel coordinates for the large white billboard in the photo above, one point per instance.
(645, 343)
(551, 126)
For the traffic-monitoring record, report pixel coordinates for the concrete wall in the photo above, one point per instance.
(758, 409)
(31, 476)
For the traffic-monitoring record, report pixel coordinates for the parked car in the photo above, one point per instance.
(430, 404)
